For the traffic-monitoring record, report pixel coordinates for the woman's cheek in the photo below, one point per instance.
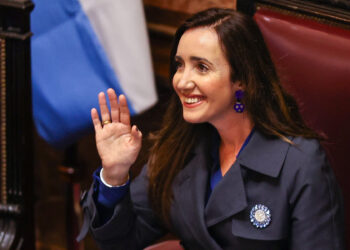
(175, 80)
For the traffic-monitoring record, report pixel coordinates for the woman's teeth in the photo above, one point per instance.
(191, 100)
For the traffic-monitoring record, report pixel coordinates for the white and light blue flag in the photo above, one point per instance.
(82, 47)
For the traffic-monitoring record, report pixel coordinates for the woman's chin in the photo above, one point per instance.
(193, 119)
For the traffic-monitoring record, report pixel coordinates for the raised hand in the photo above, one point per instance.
(118, 144)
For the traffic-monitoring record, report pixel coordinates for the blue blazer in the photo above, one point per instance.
(294, 182)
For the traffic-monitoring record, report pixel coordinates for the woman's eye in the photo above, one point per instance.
(202, 67)
(178, 65)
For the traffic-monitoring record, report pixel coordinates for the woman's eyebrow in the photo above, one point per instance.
(196, 58)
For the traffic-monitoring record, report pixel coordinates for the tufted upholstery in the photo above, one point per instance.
(313, 61)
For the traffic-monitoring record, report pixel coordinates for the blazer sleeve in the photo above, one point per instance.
(317, 216)
(133, 224)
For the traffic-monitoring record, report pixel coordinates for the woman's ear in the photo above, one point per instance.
(237, 85)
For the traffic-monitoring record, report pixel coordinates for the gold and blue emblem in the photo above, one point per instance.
(260, 216)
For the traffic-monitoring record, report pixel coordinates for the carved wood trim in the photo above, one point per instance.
(16, 163)
(15, 35)
(320, 12)
(162, 29)
(3, 144)
(22, 4)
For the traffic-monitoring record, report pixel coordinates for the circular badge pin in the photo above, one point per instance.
(260, 216)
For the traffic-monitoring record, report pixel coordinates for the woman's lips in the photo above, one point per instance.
(192, 101)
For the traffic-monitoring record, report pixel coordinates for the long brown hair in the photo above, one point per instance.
(273, 111)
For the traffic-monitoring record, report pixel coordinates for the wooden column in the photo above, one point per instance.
(16, 154)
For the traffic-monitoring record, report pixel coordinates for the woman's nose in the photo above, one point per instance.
(186, 82)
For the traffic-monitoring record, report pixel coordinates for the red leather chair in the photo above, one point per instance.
(166, 245)
(313, 61)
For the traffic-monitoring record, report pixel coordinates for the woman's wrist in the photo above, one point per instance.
(116, 182)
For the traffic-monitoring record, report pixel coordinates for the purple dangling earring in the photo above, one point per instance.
(239, 106)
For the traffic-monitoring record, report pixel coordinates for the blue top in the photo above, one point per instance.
(107, 197)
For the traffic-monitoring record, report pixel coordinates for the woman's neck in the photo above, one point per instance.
(232, 134)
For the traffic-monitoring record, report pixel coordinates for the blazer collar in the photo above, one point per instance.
(264, 154)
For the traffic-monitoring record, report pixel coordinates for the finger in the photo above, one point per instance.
(136, 133)
(95, 119)
(124, 110)
(103, 107)
(114, 105)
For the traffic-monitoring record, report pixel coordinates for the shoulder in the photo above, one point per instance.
(306, 167)
(306, 156)
(306, 147)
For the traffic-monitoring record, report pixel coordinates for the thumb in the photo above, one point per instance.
(136, 134)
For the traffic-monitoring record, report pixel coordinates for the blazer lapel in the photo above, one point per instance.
(227, 198)
(190, 191)
(264, 155)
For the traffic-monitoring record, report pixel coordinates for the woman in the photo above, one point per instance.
(234, 165)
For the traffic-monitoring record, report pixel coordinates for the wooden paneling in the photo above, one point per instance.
(190, 7)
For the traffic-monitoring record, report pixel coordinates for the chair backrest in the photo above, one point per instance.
(168, 245)
(312, 57)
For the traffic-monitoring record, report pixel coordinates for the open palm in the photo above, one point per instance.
(118, 143)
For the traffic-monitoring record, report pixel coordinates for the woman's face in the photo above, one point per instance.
(202, 80)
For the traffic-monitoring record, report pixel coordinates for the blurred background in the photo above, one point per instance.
(56, 56)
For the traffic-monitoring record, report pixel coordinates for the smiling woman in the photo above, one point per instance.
(202, 79)
(234, 165)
